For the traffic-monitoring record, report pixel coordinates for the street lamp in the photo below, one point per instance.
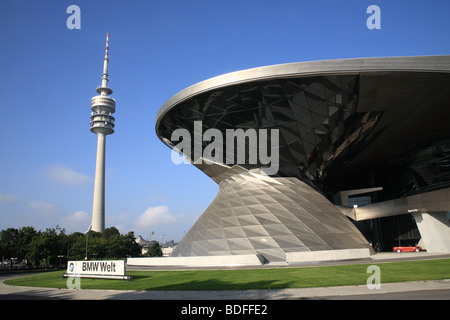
(60, 256)
(87, 238)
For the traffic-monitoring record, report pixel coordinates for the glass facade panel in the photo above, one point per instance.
(307, 112)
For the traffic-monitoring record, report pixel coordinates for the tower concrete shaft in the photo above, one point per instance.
(102, 124)
(98, 208)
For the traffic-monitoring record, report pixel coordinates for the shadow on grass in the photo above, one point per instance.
(217, 284)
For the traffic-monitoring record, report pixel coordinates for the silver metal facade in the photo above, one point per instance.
(334, 117)
(257, 214)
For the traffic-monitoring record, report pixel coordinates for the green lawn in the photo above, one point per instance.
(245, 279)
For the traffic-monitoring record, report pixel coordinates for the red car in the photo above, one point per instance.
(407, 249)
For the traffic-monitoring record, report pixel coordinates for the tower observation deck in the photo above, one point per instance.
(102, 124)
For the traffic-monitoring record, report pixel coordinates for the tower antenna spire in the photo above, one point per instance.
(103, 89)
(107, 46)
(102, 124)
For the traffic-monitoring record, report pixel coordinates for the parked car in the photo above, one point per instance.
(407, 249)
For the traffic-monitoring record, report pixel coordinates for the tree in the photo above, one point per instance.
(14, 243)
(24, 237)
(132, 247)
(27, 243)
(109, 244)
(8, 243)
(120, 246)
(154, 250)
(77, 246)
(47, 245)
(110, 232)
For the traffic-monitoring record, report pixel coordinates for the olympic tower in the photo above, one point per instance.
(102, 124)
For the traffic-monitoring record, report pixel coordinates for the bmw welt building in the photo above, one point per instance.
(360, 152)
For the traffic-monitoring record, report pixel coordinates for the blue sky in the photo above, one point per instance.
(48, 74)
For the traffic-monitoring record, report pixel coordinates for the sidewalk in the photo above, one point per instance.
(12, 292)
(389, 256)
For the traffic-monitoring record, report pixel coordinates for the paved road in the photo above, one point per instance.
(423, 290)
(407, 295)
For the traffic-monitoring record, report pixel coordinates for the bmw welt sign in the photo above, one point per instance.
(100, 268)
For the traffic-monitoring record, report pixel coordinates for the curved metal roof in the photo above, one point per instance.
(333, 116)
(439, 63)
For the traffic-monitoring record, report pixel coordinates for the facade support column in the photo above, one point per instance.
(434, 229)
